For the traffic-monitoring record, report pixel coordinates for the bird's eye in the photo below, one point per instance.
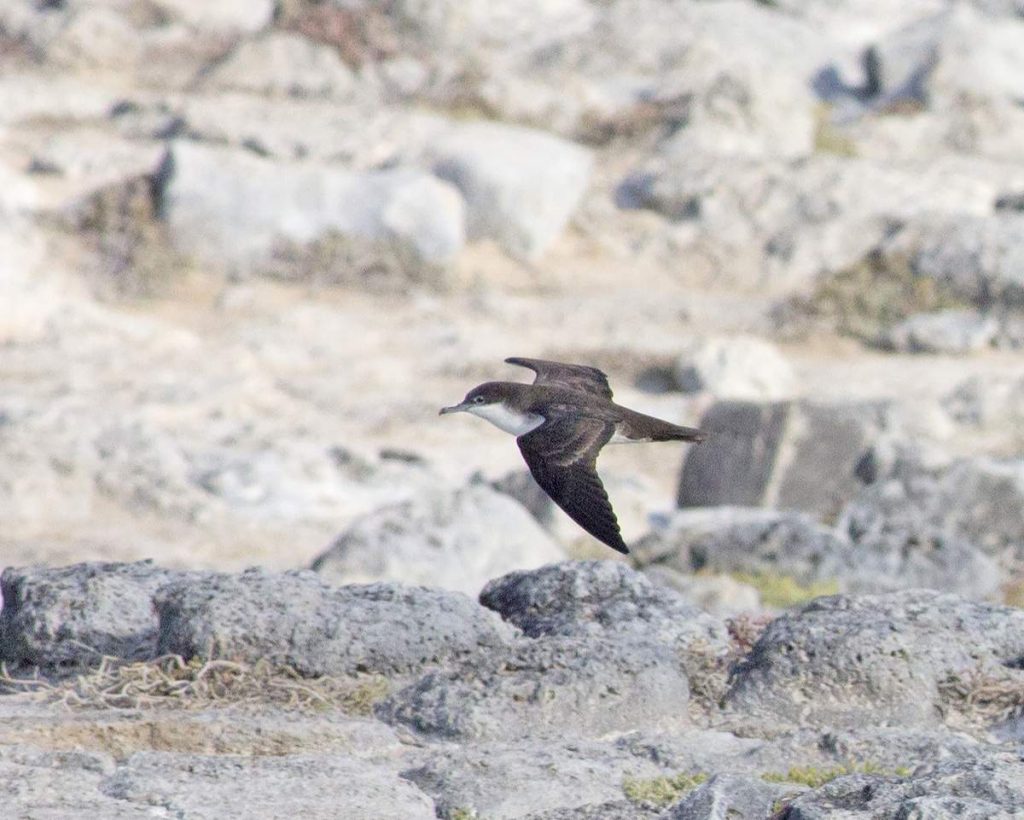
(478, 400)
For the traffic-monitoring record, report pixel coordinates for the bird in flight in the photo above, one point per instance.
(561, 422)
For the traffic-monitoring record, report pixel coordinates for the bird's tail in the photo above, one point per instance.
(673, 432)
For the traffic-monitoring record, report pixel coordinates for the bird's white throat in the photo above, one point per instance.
(511, 421)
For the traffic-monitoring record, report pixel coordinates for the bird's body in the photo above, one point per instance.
(561, 422)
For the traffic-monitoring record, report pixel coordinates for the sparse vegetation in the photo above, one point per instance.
(661, 791)
(868, 297)
(828, 139)
(335, 259)
(173, 682)
(813, 777)
(984, 695)
(784, 591)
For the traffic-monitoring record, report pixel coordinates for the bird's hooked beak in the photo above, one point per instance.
(455, 408)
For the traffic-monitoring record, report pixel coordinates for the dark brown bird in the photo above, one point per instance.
(561, 422)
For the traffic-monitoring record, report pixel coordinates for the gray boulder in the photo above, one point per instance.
(54, 616)
(549, 686)
(738, 367)
(46, 783)
(487, 779)
(225, 17)
(887, 659)
(762, 543)
(978, 258)
(727, 797)
(580, 598)
(947, 331)
(797, 455)
(452, 539)
(283, 64)
(979, 786)
(232, 208)
(297, 619)
(521, 186)
(973, 500)
(265, 786)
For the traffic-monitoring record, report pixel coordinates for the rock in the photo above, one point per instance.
(974, 500)
(740, 367)
(455, 540)
(769, 548)
(77, 614)
(985, 784)
(957, 51)
(887, 659)
(979, 259)
(948, 331)
(748, 540)
(486, 779)
(521, 186)
(284, 64)
(549, 686)
(580, 598)
(718, 595)
(732, 796)
(237, 786)
(749, 95)
(230, 208)
(296, 619)
(45, 783)
(796, 455)
(229, 17)
(988, 402)
(778, 226)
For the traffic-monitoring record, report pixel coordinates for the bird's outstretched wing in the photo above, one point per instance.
(562, 456)
(573, 376)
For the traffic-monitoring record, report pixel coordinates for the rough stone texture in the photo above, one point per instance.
(580, 598)
(727, 797)
(718, 595)
(948, 331)
(843, 660)
(979, 258)
(548, 686)
(77, 614)
(797, 455)
(297, 619)
(527, 779)
(986, 784)
(229, 207)
(229, 16)
(741, 368)
(240, 786)
(772, 543)
(284, 64)
(972, 500)
(456, 540)
(521, 186)
(43, 783)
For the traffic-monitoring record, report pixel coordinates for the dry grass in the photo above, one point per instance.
(660, 792)
(982, 696)
(172, 682)
(866, 298)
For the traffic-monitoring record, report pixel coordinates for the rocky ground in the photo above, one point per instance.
(248, 249)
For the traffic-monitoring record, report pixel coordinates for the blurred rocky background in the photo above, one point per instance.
(247, 250)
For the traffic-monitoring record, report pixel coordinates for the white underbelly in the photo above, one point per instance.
(518, 424)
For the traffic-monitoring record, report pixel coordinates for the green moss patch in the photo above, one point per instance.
(661, 791)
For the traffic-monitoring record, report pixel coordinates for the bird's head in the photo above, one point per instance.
(487, 394)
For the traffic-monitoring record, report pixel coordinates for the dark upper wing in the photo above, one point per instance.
(562, 455)
(573, 376)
